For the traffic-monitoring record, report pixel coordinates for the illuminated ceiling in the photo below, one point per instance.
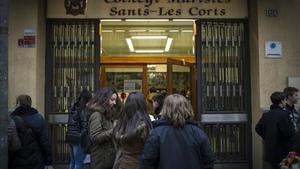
(143, 38)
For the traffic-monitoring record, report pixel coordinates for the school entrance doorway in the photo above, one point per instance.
(206, 61)
(148, 56)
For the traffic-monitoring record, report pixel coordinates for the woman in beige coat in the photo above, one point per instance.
(100, 124)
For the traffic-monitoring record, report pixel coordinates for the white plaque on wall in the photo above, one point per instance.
(273, 49)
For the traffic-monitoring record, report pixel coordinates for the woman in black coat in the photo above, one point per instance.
(176, 142)
(77, 127)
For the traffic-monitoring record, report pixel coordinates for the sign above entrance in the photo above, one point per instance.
(142, 9)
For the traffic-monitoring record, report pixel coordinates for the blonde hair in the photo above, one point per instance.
(177, 109)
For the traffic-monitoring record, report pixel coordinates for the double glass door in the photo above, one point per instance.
(175, 76)
(181, 79)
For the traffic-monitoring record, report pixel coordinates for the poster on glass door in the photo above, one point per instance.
(132, 85)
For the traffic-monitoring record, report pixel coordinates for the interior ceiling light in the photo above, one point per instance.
(153, 30)
(167, 47)
(139, 30)
(149, 51)
(186, 31)
(120, 30)
(168, 44)
(173, 30)
(107, 31)
(183, 20)
(130, 45)
(111, 20)
(149, 37)
(147, 20)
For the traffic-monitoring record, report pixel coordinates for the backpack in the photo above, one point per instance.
(77, 132)
(30, 151)
(73, 134)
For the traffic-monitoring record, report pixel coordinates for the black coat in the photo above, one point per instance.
(168, 147)
(276, 129)
(294, 115)
(77, 127)
(41, 154)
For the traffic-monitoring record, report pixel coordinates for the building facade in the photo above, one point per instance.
(213, 52)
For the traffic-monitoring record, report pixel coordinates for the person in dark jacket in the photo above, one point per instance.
(39, 156)
(176, 142)
(100, 111)
(292, 99)
(77, 127)
(276, 129)
(131, 132)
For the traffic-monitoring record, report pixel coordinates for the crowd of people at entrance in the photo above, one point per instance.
(104, 133)
(132, 140)
(107, 135)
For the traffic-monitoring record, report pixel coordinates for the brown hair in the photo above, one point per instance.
(177, 110)
(101, 100)
(289, 91)
(24, 100)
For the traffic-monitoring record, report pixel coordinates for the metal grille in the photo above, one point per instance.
(60, 148)
(73, 57)
(72, 65)
(222, 53)
(223, 88)
(227, 141)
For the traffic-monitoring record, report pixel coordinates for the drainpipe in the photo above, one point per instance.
(3, 82)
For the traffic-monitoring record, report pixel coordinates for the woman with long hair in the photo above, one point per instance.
(76, 128)
(176, 142)
(131, 132)
(100, 125)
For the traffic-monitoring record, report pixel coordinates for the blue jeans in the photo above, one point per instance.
(76, 156)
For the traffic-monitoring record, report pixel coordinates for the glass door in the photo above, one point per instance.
(124, 78)
(181, 79)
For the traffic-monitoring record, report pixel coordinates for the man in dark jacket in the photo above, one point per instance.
(292, 99)
(37, 154)
(276, 129)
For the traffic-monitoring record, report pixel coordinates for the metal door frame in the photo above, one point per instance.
(246, 74)
(59, 119)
